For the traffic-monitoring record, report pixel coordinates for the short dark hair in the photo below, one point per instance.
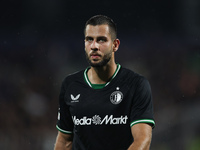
(103, 20)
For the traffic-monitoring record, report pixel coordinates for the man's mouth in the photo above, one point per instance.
(95, 56)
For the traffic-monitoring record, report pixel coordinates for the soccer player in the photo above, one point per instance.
(105, 106)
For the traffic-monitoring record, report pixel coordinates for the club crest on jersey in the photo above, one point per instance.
(75, 99)
(116, 97)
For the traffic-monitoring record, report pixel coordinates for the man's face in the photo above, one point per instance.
(98, 45)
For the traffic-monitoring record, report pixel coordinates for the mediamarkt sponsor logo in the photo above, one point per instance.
(96, 120)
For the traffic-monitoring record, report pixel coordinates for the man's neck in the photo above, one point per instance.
(101, 75)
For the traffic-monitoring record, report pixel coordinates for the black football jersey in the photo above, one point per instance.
(101, 119)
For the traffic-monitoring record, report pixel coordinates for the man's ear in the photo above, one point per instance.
(116, 44)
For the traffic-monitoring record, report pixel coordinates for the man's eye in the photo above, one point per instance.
(89, 39)
(102, 40)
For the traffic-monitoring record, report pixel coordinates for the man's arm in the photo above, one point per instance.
(142, 134)
(63, 141)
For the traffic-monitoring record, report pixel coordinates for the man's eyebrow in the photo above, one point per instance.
(101, 37)
(87, 37)
(98, 37)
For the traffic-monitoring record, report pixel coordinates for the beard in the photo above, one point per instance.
(101, 63)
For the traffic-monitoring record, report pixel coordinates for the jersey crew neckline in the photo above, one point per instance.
(100, 86)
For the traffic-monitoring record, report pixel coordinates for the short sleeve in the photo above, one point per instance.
(142, 105)
(64, 122)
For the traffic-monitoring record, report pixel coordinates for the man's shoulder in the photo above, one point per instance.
(76, 76)
(130, 76)
(130, 73)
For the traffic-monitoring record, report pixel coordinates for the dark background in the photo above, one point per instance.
(42, 41)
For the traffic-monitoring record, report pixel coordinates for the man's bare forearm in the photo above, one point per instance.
(140, 145)
(63, 146)
(142, 134)
(63, 142)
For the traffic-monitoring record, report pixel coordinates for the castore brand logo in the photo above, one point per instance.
(75, 99)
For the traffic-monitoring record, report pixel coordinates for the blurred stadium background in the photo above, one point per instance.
(41, 41)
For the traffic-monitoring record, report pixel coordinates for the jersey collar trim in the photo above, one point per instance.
(114, 75)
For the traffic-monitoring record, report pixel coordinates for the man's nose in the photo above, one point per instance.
(94, 46)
